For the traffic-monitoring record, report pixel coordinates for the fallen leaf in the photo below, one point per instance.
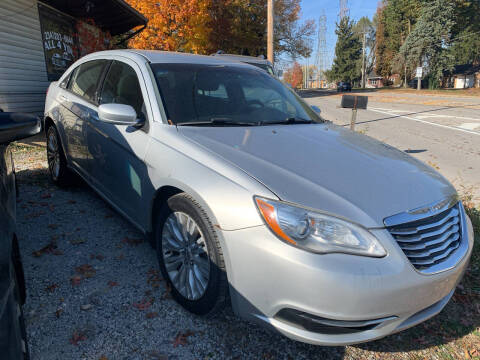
(72, 202)
(151, 315)
(168, 290)
(53, 226)
(75, 280)
(86, 270)
(144, 304)
(112, 283)
(77, 337)
(103, 357)
(86, 307)
(46, 196)
(51, 288)
(47, 249)
(58, 313)
(78, 241)
(132, 242)
(182, 338)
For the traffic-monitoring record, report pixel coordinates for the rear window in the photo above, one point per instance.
(85, 79)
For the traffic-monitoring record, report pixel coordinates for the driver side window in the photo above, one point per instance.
(121, 86)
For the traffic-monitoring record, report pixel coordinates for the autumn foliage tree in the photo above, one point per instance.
(294, 75)
(173, 25)
(234, 26)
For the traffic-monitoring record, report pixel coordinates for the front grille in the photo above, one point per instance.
(431, 240)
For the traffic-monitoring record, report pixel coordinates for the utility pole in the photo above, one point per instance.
(270, 31)
(363, 57)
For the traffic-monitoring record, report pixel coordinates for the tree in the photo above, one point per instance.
(396, 19)
(348, 51)
(294, 75)
(466, 32)
(173, 25)
(429, 40)
(234, 26)
(367, 27)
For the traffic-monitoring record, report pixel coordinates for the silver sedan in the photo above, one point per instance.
(251, 199)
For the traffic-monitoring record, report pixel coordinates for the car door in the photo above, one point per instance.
(118, 151)
(80, 106)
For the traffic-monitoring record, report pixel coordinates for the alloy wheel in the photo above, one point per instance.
(185, 255)
(53, 153)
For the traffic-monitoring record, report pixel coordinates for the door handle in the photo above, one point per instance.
(63, 97)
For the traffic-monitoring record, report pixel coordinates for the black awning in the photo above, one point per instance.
(115, 16)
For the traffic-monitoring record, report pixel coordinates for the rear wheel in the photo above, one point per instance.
(57, 162)
(190, 256)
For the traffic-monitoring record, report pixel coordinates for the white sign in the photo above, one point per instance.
(419, 72)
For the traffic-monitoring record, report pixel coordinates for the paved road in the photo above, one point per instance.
(445, 135)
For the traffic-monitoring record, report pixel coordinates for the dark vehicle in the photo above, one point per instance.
(344, 86)
(13, 342)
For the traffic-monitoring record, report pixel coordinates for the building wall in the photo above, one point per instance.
(23, 73)
(23, 76)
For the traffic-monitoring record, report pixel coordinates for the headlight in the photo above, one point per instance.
(317, 232)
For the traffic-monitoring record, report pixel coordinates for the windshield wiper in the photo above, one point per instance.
(288, 121)
(217, 122)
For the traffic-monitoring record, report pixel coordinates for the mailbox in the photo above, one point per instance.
(354, 102)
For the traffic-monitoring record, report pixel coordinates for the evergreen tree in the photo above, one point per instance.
(396, 19)
(466, 32)
(348, 52)
(429, 40)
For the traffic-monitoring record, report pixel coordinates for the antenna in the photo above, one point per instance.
(344, 11)
(321, 58)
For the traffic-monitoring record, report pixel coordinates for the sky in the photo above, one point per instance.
(312, 9)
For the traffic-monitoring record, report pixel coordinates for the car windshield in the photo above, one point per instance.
(199, 93)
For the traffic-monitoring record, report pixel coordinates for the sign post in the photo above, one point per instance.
(354, 102)
(419, 77)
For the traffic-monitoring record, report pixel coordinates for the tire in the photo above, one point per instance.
(13, 334)
(57, 162)
(183, 263)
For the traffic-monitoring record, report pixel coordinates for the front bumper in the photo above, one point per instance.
(267, 276)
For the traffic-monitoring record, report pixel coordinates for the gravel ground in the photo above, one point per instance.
(94, 291)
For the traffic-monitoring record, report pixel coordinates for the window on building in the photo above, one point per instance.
(121, 86)
(85, 80)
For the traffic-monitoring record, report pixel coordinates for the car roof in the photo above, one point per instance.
(243, 58)
(157, 56)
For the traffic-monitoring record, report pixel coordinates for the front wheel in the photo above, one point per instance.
(190, 256)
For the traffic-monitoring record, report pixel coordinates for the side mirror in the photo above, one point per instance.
(316, 109)
(16, 126)
(279, 73)
(119, 114)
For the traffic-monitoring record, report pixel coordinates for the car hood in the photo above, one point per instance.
(327, 167)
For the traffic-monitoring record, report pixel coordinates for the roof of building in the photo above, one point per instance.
(466, 69)
(373, 75)
(116, 16)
